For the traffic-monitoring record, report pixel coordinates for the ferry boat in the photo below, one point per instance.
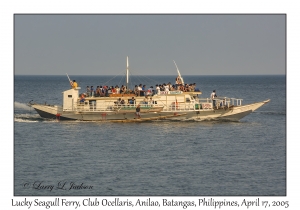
(173, 105)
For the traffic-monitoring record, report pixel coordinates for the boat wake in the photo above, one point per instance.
(21, 106)
(24, 113)
(31, 118)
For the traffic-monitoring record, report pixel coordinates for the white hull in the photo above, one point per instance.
(230, 114)
(234, 113)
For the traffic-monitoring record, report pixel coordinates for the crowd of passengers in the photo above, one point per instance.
(139, 90)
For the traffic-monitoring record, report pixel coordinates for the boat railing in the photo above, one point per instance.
(188, 106)
(204, 104)
(221, 102)
(236, 101)
(108, 106)
(229, 101)
(92, 106)
(199, 104)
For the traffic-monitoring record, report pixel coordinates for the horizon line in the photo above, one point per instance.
(154, 75)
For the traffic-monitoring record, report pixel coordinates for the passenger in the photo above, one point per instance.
(222, 103)
(165, 87)
(74, 84)
(150, 101)
(172, 88)
(122, 102)
(124, 89)
(132, 101)
(113, 90)
(82, 98)
(195, 88)
(150, 91)
(146, 100)
(137, 111)
(143, 90)
(92, 91)
(105, 90)
(109, 91)
(190, 87)
(181, 88)
(136, 90)
(118, 102)
(157, 90)
(187, 88)
(169, 85)
(140, 90)
(178, 80)
(213, 95)
(97, 91)
(117, 89)
(102, 91)
(161, 87)
(88, 91)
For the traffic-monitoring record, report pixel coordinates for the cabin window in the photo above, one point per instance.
(69, 96)
(187, 100)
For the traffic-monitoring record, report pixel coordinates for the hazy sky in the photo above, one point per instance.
(99, 44)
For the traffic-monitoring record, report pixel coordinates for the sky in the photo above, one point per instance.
(200, 44)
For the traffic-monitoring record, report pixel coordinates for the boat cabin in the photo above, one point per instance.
(70, 97)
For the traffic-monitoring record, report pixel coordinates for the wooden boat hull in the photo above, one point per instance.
(232, 114)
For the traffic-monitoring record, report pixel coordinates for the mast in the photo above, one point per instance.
(127, 71)
(179, 73)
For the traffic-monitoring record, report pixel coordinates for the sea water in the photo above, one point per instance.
(158, 158)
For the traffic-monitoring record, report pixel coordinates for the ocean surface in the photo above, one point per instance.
(159, 158)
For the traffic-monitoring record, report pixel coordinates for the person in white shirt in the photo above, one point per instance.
(213, 95)
(157, 90)
(117, 89)
(166, 87)
(140, 90)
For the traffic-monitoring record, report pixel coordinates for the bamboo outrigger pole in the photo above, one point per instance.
(69, 80)
(179, 73)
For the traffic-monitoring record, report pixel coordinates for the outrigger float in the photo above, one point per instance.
(173, 105)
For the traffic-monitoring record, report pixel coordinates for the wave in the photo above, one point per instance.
(21, 106)
(24, 113)
(25, 120)
(31, 118)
